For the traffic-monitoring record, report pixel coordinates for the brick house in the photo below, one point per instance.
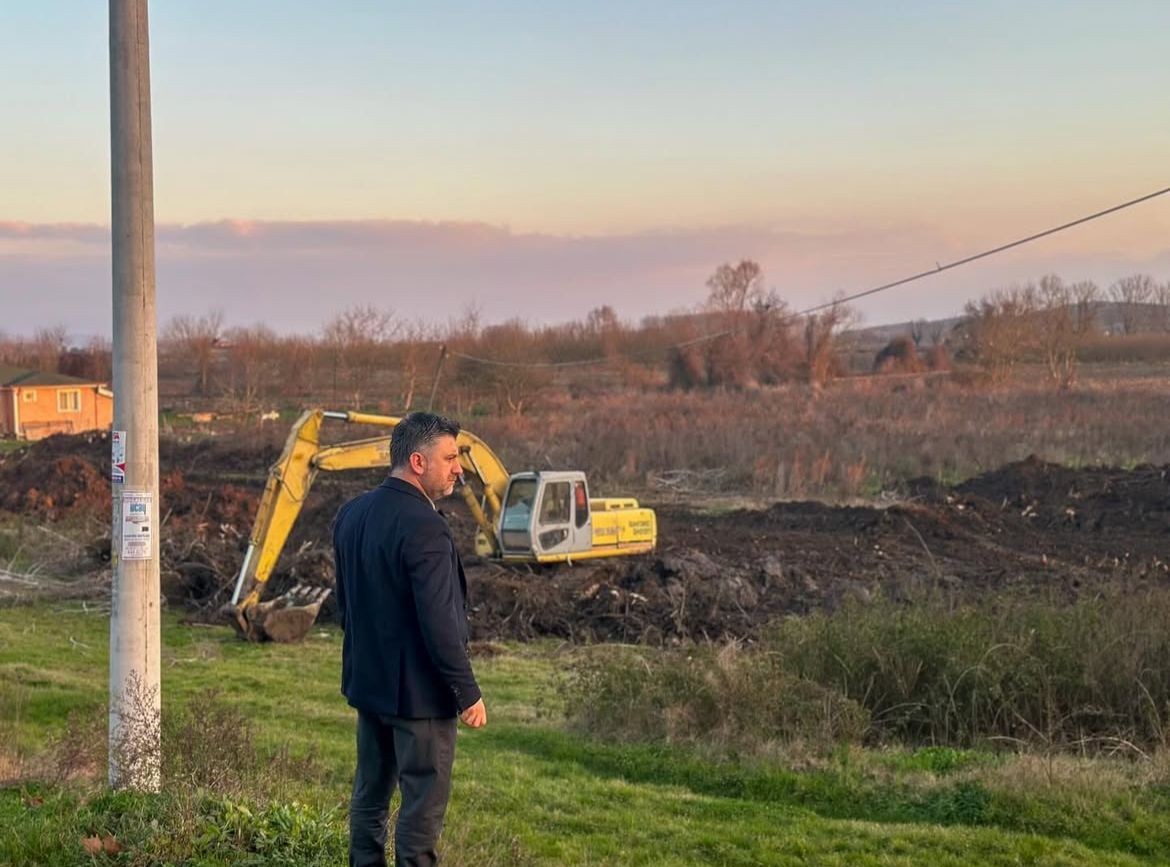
(35, 404)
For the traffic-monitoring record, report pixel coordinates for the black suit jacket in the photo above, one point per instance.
(402, 596)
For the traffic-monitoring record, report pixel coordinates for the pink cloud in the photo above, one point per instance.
(295, 275)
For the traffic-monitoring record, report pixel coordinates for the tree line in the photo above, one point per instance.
(743, 336)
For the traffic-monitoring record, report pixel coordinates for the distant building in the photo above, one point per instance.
(34, 404)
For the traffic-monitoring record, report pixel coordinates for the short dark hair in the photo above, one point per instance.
(416, 432)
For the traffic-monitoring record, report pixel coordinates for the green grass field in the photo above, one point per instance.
(527, 790)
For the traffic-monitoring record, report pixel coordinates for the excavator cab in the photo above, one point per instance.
(545, 515)
(550, 518)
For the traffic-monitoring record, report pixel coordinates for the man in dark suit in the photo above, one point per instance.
(402, 596)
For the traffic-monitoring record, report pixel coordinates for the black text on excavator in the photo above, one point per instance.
(533, 517)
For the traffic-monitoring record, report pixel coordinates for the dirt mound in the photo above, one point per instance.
(684, 594)
(1088, 515)
(54, 489)
(1030, 525)
(1097, 499)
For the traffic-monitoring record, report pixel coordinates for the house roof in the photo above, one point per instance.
(24, 378)
(7, 372)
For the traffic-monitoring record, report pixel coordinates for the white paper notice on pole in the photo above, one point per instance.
(136, 529)
(118, 457)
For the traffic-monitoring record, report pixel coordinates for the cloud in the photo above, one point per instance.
(295, 275)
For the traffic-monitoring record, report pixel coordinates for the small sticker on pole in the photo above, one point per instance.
(137, 535)
(118, 457)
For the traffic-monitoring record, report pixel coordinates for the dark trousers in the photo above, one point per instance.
(416, 755)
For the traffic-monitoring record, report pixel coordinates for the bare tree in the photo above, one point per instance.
(252, 364)
(757, 346)
(1131, 293)
(197, 337)
(736, 288)
(602, 319)
(48, 345)
(1001, 329)
(1085, 296)
(101, 358)
(94, 361)
(603, 327)
(1056, 329)
(467, 327)
(11, 349)
(511, 380)
(821, 333)
(918, 331)
(414, 358)
(1162, 306)
(357, 339)
(298, 359)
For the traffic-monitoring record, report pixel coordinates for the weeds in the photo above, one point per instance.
(208, 745)
(855, 437)
(177, 827)
(728, 699)
(1091, 677)
(289, 833)
(224, 800)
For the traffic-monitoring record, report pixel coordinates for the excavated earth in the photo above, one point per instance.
(1029, 527)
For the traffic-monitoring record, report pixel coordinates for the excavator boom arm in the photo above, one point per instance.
(290, 478)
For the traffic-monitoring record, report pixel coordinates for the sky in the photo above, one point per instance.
(538, 160)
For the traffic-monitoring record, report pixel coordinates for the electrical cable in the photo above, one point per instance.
(938, 269)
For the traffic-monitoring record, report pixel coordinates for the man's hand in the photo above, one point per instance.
(475, 716)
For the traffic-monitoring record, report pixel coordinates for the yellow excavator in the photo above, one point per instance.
(528, 517)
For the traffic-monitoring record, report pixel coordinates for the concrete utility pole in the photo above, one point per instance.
(135, 702)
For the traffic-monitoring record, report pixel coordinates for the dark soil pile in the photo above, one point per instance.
(1030, 526)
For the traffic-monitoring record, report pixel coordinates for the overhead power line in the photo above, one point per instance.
(959, 262)
(938, 269)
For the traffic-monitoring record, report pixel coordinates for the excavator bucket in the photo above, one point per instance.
(287, 618)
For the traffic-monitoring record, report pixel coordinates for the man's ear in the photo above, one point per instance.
(416, 462)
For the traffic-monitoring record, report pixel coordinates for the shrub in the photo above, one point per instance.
(1092, 676)
(208, 745)
(728, 698)
(900, 355)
